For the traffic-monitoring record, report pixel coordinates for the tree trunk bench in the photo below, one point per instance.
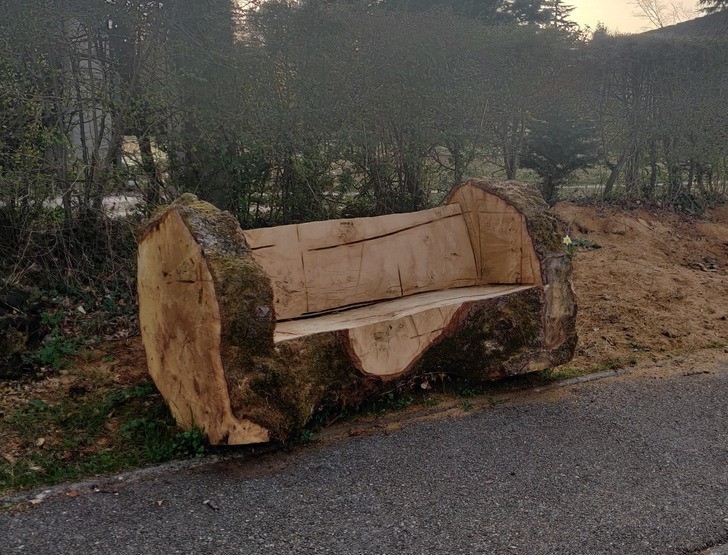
(248, 333)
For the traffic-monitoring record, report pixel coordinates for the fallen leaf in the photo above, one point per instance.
(8, 457)
(38, 498)
(39, 442)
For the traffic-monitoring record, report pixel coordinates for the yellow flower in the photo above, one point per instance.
(567, 241)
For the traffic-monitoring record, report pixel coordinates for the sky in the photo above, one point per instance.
(620, 15)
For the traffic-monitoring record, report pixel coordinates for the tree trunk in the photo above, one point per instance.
(648, 191)
(691, 175)
(248, 334)
(154, 179)
(631, 178)
(549, 188)
(616, 170)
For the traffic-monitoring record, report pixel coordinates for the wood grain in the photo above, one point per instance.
(502, 247)
(318, 266)
(180, 325)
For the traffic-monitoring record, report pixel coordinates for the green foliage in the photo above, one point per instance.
(395, 401)
(56, 349)
(466, 389)
(713, 6)
(557, 147)
(571, 244)
(306, 436)
(152, 434)
(57, 346)
(133, 423)
(585, 243)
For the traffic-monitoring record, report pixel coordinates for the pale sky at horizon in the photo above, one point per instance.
(620, 15)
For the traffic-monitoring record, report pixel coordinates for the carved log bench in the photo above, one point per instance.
(248, 333)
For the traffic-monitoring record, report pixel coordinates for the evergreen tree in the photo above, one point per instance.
(485, 11)
(556, 147)
(559, 14)
(712, 6)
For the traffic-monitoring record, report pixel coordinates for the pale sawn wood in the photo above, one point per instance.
(179, 319)
(318, 266)
(501, 244)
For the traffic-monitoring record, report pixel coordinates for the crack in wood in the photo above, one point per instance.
(261, 247)
(384, 235)
(303, 269)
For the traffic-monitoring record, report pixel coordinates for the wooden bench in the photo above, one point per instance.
(248, 333)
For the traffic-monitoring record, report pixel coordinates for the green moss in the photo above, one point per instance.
(496, 338)
(245, 298)
(282, 392)
(213, 229)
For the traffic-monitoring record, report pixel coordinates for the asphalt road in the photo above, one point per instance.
(630, 465)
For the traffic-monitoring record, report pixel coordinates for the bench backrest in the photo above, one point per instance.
(503, 249)
(320, 266)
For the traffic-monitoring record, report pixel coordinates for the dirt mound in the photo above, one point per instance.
(656, 283)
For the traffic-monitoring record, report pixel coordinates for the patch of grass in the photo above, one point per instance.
(91, 433)
(306, 436)
(428, 401)
(390, 401)
(568, 372)
(466, 389)
(55, 351)
(397, 401)
(585, 243)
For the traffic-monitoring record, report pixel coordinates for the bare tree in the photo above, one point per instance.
(661, 13)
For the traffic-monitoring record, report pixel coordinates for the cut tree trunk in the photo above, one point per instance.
(248, 334)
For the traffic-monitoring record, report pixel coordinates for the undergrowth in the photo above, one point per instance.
(88, 433)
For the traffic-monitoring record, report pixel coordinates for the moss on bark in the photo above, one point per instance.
(494, 338)
(283, 391)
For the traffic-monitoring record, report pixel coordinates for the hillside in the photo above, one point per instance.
(708, 27)
(657, 286)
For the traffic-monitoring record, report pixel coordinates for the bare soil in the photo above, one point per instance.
(658, 286)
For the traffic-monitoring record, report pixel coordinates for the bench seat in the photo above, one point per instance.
(389, 311)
